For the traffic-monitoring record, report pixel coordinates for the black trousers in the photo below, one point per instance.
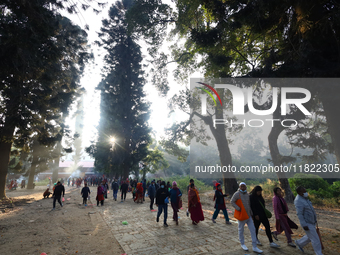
(152, 200)
(101, 202)
(266, 224)
(57, 198)
(84, 200)
(123, 194)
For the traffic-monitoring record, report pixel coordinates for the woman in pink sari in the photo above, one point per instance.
(283, 223)
(194, 205)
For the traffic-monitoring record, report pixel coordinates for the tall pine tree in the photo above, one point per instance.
(124, 109)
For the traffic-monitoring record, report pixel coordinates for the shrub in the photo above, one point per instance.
(309, 181)
(183, 182)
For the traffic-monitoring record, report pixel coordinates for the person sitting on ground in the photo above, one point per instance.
(47, 193)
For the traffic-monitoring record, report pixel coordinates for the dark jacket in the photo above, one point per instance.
(59, 189)
(175, 194)
(219, 198)
(144, 186)
(152, 190)
(255, 205)
(124, 187)
(161, 195)
(115, 186)
(85, 191)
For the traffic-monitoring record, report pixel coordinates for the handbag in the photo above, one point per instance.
(319, 234)
(267, 212)
(240, 215)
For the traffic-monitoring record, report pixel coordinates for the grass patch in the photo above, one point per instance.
(43, 182)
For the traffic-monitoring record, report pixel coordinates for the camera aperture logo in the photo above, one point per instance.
(238, 100)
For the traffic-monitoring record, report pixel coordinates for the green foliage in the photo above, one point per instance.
(154, 161)
(309, 181)
(320, 192)
(183, 182)
(39, 76)
(44, 182)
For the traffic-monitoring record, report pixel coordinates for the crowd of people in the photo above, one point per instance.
(250, 208)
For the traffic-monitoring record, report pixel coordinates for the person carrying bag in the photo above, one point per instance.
(261, 215)
(240, 201)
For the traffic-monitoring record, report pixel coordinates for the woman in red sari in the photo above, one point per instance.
(100, 195)
(283, 222)
(194, 205)
(139, 193)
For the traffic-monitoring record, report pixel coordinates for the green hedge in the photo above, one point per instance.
(320, 192)
(183, 182)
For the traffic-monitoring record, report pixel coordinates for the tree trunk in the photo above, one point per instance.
(31, 177)
(5, 152)
(276, 157)
(331, 104)
(219, 133)
(56, 163)
(229, 180)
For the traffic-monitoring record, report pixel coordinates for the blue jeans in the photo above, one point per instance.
(224, 212)
(160, 209)
(115, 192)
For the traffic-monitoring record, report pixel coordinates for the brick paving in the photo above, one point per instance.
(143, 235)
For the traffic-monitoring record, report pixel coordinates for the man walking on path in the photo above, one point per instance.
(124, 188)
(242, 194)
(152, 193)
(58, 191)
(115, 188)
(307, 217)
(85, 191)
(162, 200)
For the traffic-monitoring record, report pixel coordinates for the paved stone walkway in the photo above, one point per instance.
(143, 235)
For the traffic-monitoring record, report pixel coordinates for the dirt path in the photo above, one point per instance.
(328, 220)
(30, 227)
